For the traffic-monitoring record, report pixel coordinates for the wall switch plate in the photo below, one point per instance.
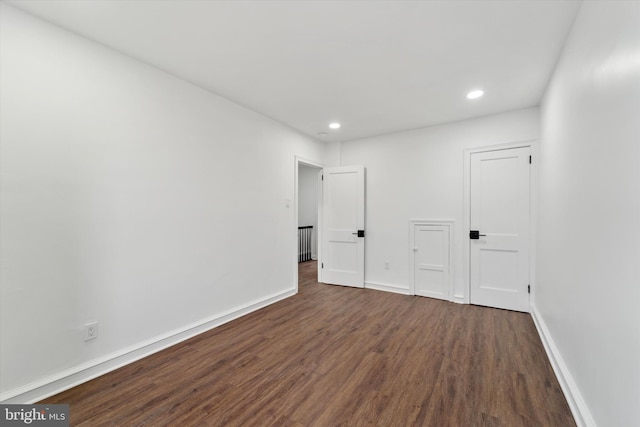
(90, 331)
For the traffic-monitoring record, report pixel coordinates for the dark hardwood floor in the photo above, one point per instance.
(333, 356)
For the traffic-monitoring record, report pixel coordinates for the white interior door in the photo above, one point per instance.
(431, 264)
(499, 250)
(342, 250)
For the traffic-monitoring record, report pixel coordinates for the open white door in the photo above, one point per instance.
(342, 241)
(499, 245)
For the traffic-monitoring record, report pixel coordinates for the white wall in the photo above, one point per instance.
(308, 202)
(129, 197)
(588, 277)
(419, 175)
(333, 153)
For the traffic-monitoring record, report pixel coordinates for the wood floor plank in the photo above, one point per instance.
(332, 356)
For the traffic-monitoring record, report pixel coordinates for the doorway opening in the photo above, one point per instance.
(307, 193)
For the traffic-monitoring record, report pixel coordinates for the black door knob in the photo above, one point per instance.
(475, 234)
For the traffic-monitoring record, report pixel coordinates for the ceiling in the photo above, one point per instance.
(374, 66)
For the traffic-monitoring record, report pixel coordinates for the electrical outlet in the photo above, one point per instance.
(90, 330)
(386, 265)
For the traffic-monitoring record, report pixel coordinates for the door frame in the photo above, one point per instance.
(465, 297)
(306, 162)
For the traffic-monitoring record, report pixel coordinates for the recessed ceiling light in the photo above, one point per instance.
(474, 94)
(323, 134)
(334, 125)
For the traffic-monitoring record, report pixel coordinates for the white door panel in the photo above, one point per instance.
(499, 258)
(342, 254)
(431, 262)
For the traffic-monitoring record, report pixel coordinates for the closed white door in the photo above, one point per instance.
(499, 224)
(431, 261)
(342, 251)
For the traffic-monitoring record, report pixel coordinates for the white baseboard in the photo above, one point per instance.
(578, 407)
(87, 371)
(387, 287)
(459, 299)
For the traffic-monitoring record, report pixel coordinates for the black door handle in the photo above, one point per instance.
(475, 234)
(360, 233)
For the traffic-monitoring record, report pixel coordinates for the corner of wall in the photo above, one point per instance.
(576, 402)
